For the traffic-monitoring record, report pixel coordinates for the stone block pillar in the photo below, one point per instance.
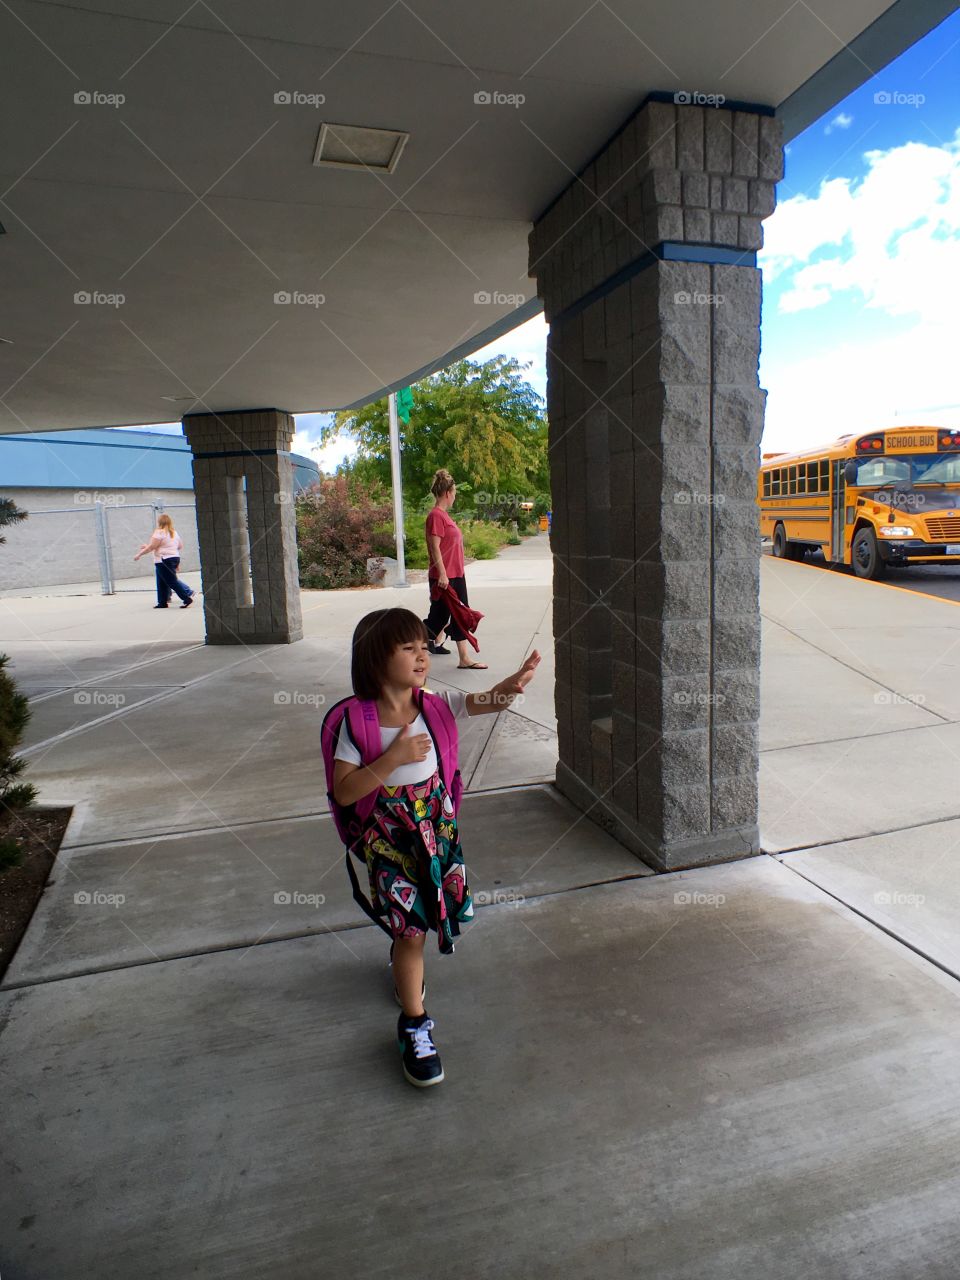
(646, 266)
(246, 526)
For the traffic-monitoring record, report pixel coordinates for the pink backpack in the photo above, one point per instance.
(363, 726)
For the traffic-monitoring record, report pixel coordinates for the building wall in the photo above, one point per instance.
(59, 476)
(57, 543)
(108, 458)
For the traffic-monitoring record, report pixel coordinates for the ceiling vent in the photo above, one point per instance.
(347, 146)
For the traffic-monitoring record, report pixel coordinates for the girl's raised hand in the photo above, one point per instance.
(526, 672)
(509, 688)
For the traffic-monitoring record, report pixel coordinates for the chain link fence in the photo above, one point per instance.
(90, 543)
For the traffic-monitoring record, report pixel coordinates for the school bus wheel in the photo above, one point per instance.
(783, 549)
(865, 554)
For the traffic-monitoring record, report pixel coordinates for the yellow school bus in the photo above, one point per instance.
(877, 501)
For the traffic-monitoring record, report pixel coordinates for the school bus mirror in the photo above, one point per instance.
(850, 471)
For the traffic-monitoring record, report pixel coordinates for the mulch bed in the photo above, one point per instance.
(39, 832)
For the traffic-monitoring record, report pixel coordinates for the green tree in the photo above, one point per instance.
(483, 422)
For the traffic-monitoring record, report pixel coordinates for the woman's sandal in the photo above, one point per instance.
(472, 666)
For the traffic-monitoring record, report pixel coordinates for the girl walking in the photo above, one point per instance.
(397, 794)
(166, 545)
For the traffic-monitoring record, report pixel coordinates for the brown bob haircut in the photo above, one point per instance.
(376, 637)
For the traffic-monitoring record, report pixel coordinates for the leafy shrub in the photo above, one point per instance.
(337, 521)
(415, 541)
(345, 520)
(14, 714)
(481, 540)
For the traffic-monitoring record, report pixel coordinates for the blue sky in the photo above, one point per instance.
(862, 258)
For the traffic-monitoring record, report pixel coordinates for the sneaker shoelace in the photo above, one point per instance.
(423, 1046)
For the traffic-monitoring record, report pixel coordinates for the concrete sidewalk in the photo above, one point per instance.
(731, 1072)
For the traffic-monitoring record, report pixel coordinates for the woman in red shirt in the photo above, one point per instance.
(445, 545)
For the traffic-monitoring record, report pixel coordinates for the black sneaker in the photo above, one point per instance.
(421, 1062)
(436, 648)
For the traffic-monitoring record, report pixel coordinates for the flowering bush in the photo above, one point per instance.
(337, 521)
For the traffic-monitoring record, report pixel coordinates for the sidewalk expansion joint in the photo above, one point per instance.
(867, 835)
(121, 712)
(863, 675)
(293, 936)
(881, 928)
(542, 783)
(67, 686)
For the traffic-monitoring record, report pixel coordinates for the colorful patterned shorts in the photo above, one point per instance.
(412, 849)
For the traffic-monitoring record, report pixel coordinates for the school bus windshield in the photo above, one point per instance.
(909, 469)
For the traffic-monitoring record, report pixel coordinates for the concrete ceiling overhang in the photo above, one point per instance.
(188, 209)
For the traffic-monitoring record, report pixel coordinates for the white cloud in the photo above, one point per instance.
(840, 121)
(887, 244)
(306, 439)
(907, 379)
(891, 239)
(528, 343)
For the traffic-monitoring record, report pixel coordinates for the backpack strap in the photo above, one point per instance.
(364, 731)
(361, 900)
(364, 728)
(363, 725)
(442, 726)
